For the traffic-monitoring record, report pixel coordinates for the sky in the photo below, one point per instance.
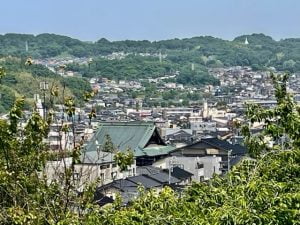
(90, 20)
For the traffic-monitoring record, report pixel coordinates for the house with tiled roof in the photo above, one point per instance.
(213, 147)
(148, 177)
(205, 157)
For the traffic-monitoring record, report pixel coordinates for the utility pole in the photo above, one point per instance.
(160, 57)
(90, 61)
(228, 160)
(44, 87)
(172, 162)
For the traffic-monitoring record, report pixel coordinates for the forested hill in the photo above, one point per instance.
(262, 51)
(21, 79)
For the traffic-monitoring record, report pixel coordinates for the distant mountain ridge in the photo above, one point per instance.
(262, 51)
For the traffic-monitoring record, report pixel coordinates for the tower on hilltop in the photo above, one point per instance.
(26, 46)
(160, 57)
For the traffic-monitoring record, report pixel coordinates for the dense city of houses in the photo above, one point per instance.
(171, 145)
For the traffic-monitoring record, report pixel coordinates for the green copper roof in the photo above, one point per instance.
(157, 150)
(132, 135)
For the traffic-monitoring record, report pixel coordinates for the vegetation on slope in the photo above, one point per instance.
(204, 52)
(21, 79)
(138, 67)
(262, 51)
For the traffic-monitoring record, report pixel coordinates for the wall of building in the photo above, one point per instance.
(87, 173)
(203, 126)
(203, 168)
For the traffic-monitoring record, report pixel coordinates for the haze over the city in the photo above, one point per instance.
(151, 20)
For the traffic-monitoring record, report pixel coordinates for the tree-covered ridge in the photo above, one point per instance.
(262, 51)
(135, 67)
(43, 45)
(24, 80)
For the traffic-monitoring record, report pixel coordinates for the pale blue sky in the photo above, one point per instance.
(151, 19)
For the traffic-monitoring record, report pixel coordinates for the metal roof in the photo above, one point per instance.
(127, 135)
(152, 150)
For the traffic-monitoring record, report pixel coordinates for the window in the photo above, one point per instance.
(199, 165)
(76, 176)
(113, 175)
(102, 177)
(201, 178)
(104, 167)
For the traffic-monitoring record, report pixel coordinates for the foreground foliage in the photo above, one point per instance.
(266, 191)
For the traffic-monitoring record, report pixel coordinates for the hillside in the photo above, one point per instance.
(262, 51)
(25, 80)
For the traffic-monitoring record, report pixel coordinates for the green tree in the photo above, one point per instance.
(281, 123)
(108, 144)
(124, 159)
(27, 197)
(27, 194)
(2, 73)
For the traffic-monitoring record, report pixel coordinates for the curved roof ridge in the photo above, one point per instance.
(146, 137)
